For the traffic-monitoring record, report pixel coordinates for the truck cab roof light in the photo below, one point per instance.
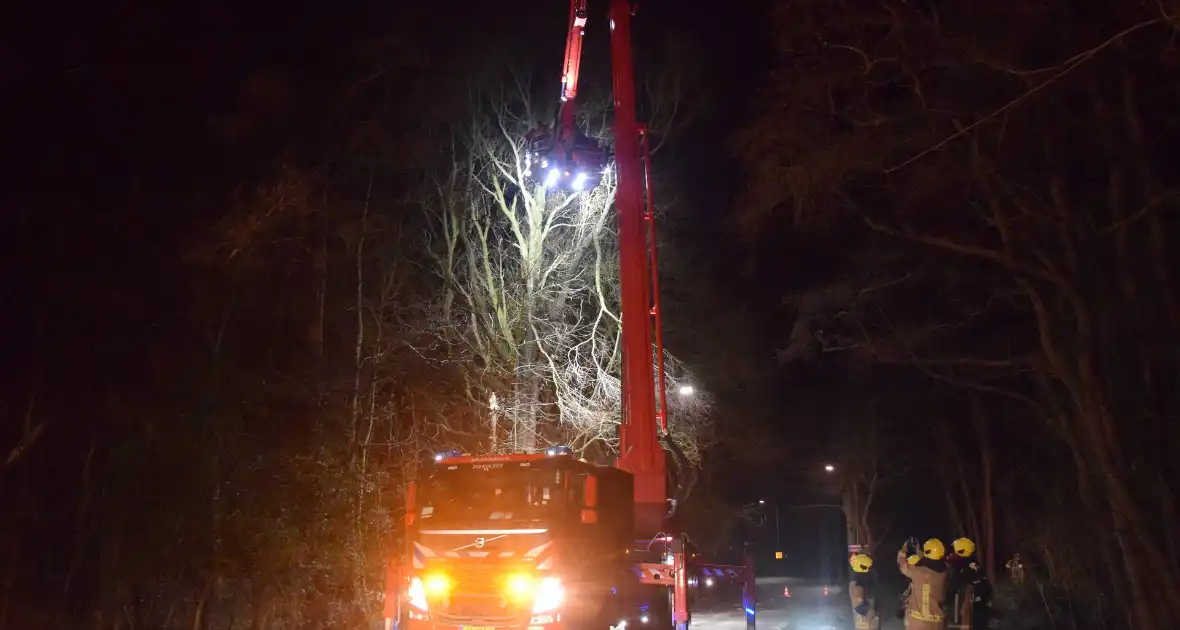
(438, 457)
(559, 450)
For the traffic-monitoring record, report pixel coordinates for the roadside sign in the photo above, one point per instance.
(855, 548)
(778, 555)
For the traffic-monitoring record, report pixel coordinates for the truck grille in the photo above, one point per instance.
(478, 610)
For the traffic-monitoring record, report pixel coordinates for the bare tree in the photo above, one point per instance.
(530, 296)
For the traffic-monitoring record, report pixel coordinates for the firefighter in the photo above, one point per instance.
(911, 547)
(928, 582)
(864, 605)
(970, 590)
(905, 595)
(1016, 569)
(958, 615)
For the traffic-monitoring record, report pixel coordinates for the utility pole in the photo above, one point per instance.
(851, 515)
(824, 552)
(778, 546)
(778, 543)
(849, 505)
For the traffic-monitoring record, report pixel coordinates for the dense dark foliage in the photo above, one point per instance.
(995, 181)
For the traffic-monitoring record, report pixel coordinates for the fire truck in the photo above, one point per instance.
(546, 541)
(522, 540)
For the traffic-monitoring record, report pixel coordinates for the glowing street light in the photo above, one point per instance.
(686, 390)
(829, 468)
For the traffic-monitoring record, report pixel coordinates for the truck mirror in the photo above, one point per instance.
(590, 498)
(589, 516)
(411, 509)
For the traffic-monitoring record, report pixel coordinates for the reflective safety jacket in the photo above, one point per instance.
(864, 607)
(928, 589)
(969, 595)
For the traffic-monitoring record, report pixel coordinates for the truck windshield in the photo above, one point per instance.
(505, 494)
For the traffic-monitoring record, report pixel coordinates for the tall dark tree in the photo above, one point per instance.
(994, 181)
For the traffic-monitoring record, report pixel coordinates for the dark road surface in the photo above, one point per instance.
(807, 608)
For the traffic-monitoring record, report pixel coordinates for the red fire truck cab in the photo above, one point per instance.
(534, 541)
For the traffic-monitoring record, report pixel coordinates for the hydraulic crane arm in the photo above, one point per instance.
(566, 130)
(564, 157)
(640, 451)
(567, 160)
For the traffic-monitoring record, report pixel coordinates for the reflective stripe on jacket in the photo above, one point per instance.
(860, 594)
(866, 623)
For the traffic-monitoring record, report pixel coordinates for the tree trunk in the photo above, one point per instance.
(988, 541)
(851, 514)
(972, 520)
(202, 599)
(358, 354)
(320, 267)
(79, 529)
(528, 395)
(948, 475)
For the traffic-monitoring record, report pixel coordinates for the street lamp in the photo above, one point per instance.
(686, 390)
(829, 468)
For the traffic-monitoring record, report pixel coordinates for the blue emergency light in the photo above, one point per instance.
(559, 450)
(446, 455)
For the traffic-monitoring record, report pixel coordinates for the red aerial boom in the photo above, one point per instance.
(640, 451)
(569, 160)
(567, 130)
(564, 157)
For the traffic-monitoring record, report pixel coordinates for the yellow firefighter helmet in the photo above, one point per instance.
(913, 559)
(964, 547)
(934, 549)
(861, 562)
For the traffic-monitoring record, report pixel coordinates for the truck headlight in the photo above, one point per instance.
(417, 594)
(521, 588)
(549, 595)
(434, 585)
(437, 584)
